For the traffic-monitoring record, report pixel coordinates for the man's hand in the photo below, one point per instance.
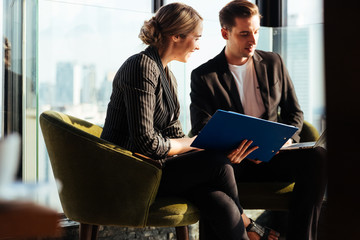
(288, 142)
(241, 152)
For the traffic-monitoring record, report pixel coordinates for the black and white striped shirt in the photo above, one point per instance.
(143, 110)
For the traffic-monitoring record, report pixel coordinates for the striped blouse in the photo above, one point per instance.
(143, 110)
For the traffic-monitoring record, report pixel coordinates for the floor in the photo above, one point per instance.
(276, 220)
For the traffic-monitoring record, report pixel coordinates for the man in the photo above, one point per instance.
(256, 83)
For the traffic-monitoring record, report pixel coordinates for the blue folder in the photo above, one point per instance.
(225, 131)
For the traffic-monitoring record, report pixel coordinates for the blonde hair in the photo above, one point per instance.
(171, 19)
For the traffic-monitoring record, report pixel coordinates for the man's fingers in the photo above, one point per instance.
(242, 151)
(248, 143)
(255, 161)
(244, 146)
(251, 150)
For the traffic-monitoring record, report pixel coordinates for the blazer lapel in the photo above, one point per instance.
(169, 96)
(261, 74)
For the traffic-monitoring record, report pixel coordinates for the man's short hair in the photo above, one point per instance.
(237, 9)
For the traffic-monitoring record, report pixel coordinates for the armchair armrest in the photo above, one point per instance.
(147, 159)
(101, 182)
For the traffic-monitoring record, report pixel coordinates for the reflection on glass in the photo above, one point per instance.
(302, 49)
(12, 112)
(303, 52)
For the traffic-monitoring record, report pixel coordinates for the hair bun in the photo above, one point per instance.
(171, 19)
(150, 32)
(156, 23)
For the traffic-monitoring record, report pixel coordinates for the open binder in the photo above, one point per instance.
(225, 131)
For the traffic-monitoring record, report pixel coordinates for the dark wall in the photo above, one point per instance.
(342, 73)
(272, 12)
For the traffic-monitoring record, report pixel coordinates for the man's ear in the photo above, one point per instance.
(224, 33)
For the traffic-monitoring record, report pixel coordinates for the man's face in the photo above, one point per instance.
(241, 39)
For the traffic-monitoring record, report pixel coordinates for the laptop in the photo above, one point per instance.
(321, 142)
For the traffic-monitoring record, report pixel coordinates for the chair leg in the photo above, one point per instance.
(88, 231)
(182, 233)
(95, 231)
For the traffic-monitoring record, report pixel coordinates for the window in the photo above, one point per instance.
(211, 43)
(300, 44)
(81, 46)
(19, 78)
(73, 48)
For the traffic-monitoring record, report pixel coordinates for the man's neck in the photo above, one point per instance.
(237, 62)
(234, 60)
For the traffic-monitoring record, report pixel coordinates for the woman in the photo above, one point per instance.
(143, 113)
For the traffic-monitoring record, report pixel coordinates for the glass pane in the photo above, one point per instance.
(83, 43)
(81, 46)
(29, 96)
(12, 78)
(132, 6)
(302, 49)
(13, 68)
(305, 12)
(2, 67)
(208, 9)
(300, 46)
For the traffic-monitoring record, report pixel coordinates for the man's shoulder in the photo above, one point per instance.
(206, 67)
(267, 56)
(212, 65)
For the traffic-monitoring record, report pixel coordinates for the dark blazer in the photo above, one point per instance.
(143, 110)
(213, 87)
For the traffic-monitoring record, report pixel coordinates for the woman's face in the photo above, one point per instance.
(183, 47)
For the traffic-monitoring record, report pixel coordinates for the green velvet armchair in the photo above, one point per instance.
(104, 184)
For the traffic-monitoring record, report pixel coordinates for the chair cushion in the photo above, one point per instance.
(265, 195)
(172, 211)
(309, 133)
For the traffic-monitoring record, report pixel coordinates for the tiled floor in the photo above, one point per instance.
(275, 220)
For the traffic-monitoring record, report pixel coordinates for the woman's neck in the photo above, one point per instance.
(165, 55)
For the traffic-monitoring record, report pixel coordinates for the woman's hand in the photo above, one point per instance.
(181, 145)
(241, 152)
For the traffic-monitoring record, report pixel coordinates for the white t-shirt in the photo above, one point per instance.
(248, 86)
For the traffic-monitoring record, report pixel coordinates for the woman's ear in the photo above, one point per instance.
(175, 38)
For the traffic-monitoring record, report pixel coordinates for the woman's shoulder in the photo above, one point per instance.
(142, 63)
(138, 69)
